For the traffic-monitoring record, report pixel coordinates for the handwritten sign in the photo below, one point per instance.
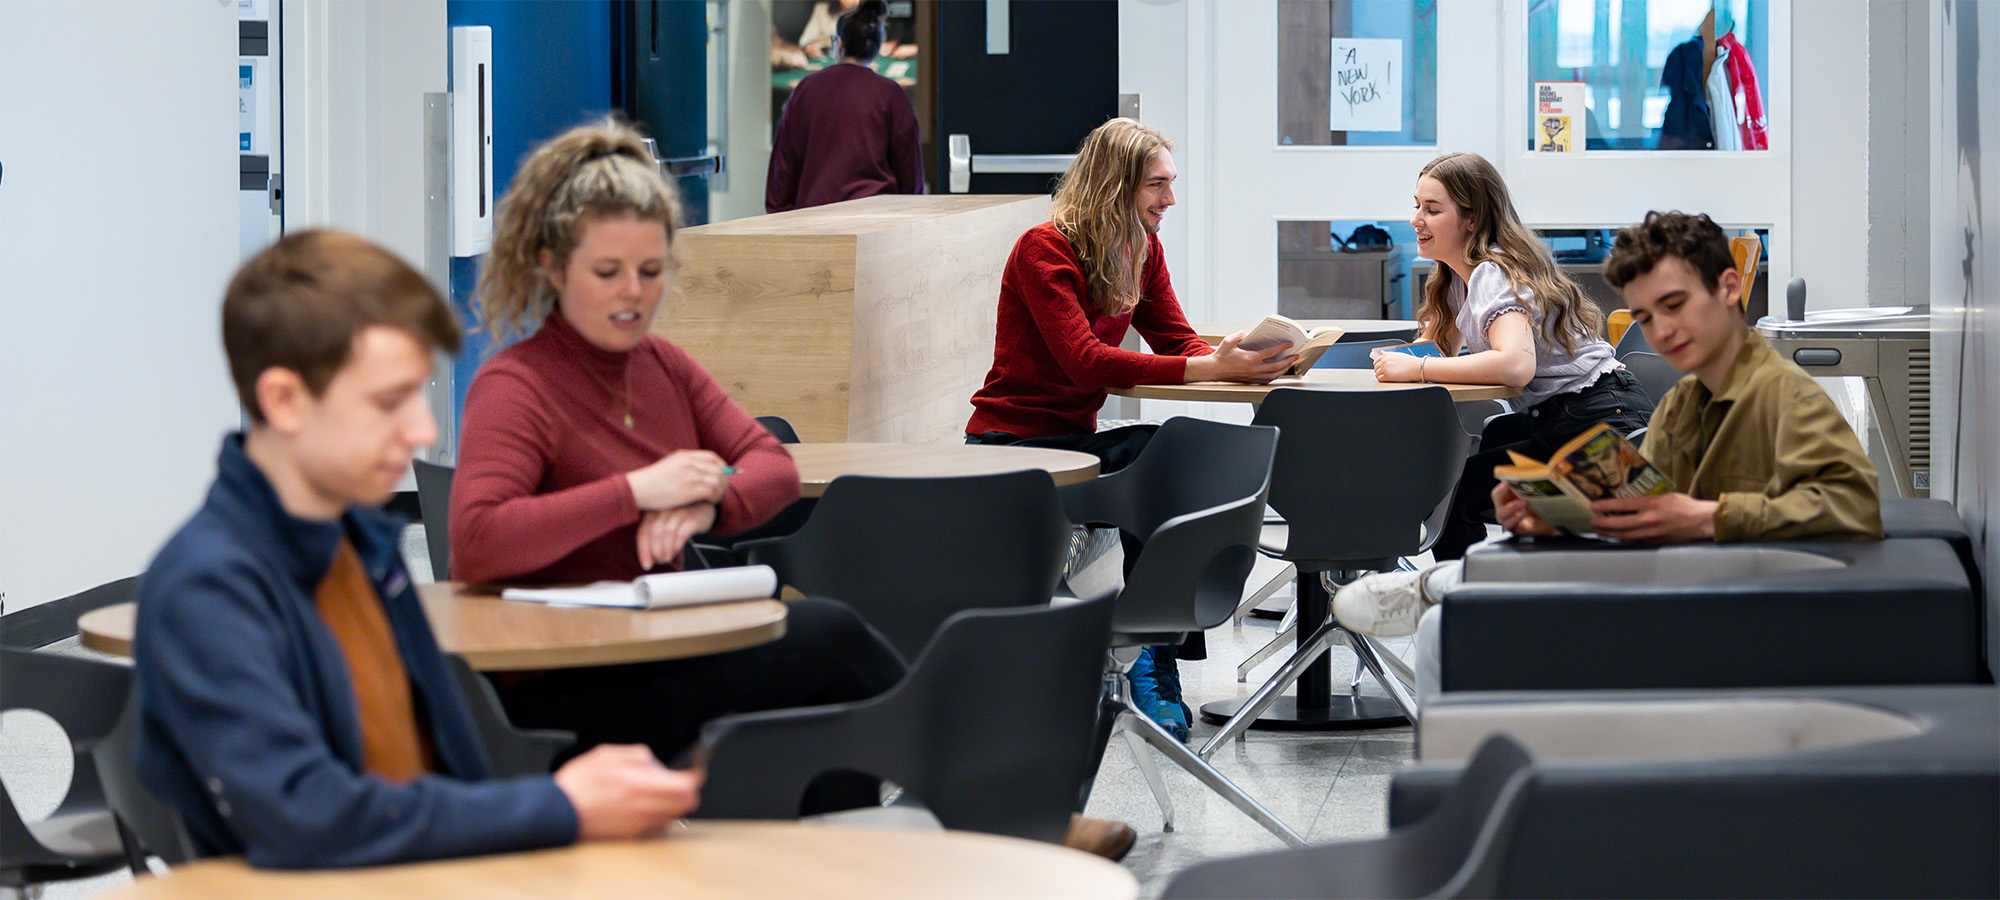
(1367, 84)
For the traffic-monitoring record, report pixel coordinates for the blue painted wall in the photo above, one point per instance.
(553, 67)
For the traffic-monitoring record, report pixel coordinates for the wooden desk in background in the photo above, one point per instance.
(499, 635)
(705, 859)
(820, 464)
(869, 320)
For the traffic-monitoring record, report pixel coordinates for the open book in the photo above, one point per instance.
(1596, 464)
(663, 590)
(1307, 345)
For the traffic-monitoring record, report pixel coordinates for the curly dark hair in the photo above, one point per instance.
(1694, 238)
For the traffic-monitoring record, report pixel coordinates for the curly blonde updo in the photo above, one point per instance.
(600, 170)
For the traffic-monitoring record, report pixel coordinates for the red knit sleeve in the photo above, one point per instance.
(1159, 318)
(500, 527)
(1052, 289)
(767, 479)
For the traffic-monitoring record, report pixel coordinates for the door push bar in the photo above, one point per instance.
(963, 163)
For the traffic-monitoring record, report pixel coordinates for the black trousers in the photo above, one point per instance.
(828, 655)
(1615, 397)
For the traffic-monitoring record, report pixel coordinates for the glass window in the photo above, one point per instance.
(1357, 72)
(1649, 74)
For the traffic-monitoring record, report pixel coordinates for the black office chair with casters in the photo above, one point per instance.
(434, 504)
(907, 553)
(80, 838)
(1456, 851)
(1195, 498)
(510, 749)
(1363, 478)
(1000, 755)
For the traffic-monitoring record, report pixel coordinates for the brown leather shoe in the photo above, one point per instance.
(1108, 838)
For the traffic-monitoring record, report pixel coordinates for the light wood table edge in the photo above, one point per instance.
(109, 630)
(1235, 392)
(622, 652)
(680, 864)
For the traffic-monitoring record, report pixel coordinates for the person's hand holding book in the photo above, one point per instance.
(1671, 518)
(1230, 362)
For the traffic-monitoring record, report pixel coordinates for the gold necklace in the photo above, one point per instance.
(608, 392)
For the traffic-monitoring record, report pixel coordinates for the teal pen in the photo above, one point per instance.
(731, 470)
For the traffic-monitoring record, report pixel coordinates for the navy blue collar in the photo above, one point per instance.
(303, 547)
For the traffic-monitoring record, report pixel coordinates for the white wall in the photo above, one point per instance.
(1830, 109)
(118, 230)
(356, 72)
(1965, 274)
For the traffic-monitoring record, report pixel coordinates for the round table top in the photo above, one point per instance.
(820, 463)
(704, 859)
(498, 635)
(1335, 379)
(1214, 332)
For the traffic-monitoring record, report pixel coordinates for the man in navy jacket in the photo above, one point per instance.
(295, 706)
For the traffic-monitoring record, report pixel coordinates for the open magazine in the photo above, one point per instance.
(662, 590)
(1596, 464)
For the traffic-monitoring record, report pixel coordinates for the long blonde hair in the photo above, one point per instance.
(590, 171)
(1474, 186)
(1093, 209)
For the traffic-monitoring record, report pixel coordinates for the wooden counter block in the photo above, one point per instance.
(869, 320)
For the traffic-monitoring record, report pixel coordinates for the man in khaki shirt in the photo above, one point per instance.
(1759, 447)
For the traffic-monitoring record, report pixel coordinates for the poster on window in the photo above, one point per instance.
(1367, 84)
(1558, 116)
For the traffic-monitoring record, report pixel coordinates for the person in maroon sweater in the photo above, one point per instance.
(595, 449)
(1072, 288)
(846, 132)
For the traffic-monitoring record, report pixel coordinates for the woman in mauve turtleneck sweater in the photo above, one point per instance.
(595, 449)
(541, 493)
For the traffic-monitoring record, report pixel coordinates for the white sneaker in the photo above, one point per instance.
(1385, 604)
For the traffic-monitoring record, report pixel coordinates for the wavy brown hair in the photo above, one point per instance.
(1093, 209)
(600, 170)
(1475, 187)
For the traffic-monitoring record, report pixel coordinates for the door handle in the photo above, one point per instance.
(963, 163)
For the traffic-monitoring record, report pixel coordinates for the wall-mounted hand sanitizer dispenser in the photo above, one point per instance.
(471, 140)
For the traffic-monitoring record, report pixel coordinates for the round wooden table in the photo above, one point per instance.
(1338, 379)
(704, 859)
(820, 464)
(497, 635)
(1360, 329)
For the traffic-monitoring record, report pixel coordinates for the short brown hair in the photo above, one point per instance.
(301, 302)
(1693, 238)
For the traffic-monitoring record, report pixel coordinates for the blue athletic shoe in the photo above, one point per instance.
(1167, 677)
(1147, 694)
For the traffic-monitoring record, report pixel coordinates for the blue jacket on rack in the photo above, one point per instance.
(249, 725)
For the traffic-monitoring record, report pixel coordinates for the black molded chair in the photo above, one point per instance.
(1195, 499)
(1458, 850)
(1654, 374)
(1001, 755)
(907, 553)
(1632, 341)
(510, 750)
(80, 838)
(1362, 478)
(148, 825)
(780, 428)
(434, 504)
